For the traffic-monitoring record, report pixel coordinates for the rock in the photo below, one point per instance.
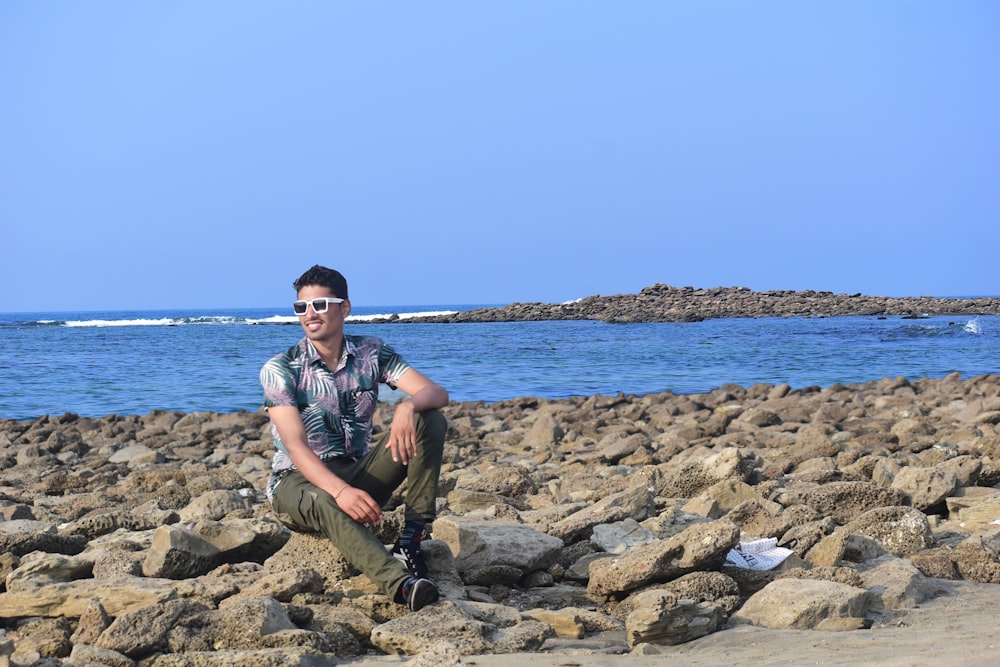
(86, 654)
(93, 621)
(977, 516)
(898, 530)
(843, 501)
(544, 434)
(246, 621)
(39, 568)
(315, 550)
(282, 586)
(213, 505)
(660, 618)
(844, 545)
(178, 552)
(442, 654)
(925, 487)
(44, 637)
(688, 478)
(635, 503)
(241, 540)
(977, 558)
(698, 547)
(109, 564)
(616, 538)
(805, 604)
(72, 599)
(108, 522)
(479, 544)
(22, 536)
(139, 632)
(580, 570)
(896, 583)
(281, 657)
(564, 622)
(471, 627)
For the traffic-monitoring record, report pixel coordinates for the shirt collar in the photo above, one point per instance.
(349, 350)
(313, 357)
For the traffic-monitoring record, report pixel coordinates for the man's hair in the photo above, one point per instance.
(324, 277)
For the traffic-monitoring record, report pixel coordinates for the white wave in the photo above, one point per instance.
(227, 319)
(275, 319)
(402, 316)
(973, 326)
(162, 322)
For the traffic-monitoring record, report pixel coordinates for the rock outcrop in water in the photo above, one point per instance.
(586, 525)
(663, 303)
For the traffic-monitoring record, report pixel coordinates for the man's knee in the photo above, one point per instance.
(435, 425)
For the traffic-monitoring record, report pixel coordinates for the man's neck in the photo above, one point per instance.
(330, 351)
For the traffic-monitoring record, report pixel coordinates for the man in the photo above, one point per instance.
(327, 474)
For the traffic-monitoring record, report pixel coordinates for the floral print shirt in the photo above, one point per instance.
(336, 405)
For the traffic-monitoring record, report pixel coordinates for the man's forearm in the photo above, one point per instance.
(430, 397)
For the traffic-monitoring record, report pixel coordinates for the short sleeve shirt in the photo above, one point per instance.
(337, 405)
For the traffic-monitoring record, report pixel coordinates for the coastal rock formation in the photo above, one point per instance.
(664, 303)
(600, 523)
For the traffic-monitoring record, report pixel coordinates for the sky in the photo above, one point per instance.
(190, 154)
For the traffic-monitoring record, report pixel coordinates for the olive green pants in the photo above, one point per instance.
(304, 506)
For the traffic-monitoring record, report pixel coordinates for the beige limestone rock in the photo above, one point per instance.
(177, 552)
(477, 544)
(803, 604)
(703, 546)
(659, 617)
(72, 598)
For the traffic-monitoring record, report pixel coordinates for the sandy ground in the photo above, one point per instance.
(957, 629)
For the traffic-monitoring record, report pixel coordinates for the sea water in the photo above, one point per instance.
(100, 363)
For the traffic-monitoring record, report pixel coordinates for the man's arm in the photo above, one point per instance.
(355, 502)
(423, 395)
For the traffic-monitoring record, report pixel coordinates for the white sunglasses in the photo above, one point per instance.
(318, 305)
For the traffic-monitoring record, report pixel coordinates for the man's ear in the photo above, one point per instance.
(346, 307)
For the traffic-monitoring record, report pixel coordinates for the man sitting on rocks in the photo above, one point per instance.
(327, 475)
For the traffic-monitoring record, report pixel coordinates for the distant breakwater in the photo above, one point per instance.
(664, 303)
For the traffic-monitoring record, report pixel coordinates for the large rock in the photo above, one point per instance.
(896, 583)
(659, 617)
(925, 487)
(898, 530)
(71, 599)
(633, 503)
(806, 604)
(483, 544)
(699, 547)
(471, 627)
(843, 501)
(177, 552)
(241, 540)
(139, 632)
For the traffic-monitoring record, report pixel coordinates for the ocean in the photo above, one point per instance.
(133, 362)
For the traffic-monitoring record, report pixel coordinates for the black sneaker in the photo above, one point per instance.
(418, 593)
(412, 557)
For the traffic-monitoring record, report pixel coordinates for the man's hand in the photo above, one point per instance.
(358, 505)
(403, 433)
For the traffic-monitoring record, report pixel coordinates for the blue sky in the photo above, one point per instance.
(203, 154)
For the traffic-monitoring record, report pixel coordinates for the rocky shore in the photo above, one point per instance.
(575, 530)
(663, 303)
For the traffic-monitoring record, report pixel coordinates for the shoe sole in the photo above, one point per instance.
(424, 593)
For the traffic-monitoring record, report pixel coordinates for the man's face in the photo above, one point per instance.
(325, 327)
